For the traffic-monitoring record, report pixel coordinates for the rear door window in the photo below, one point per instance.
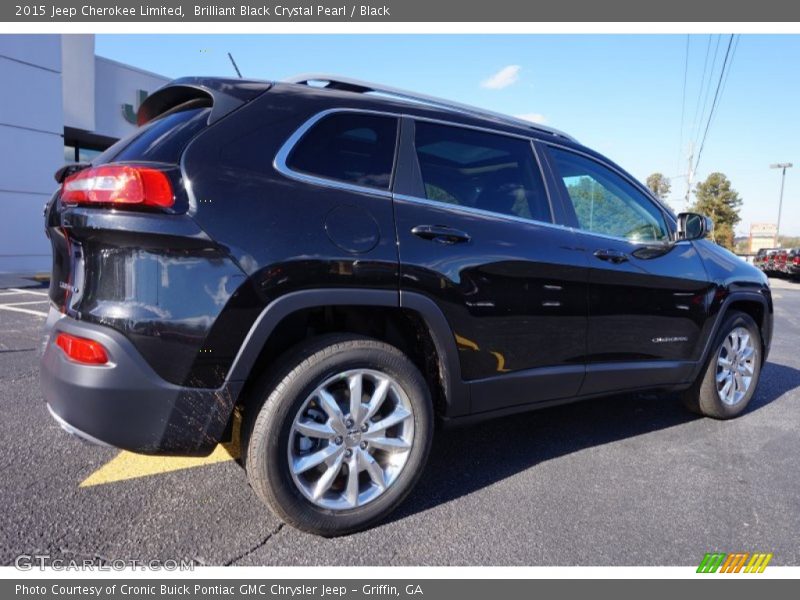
(354, 148)
(476, 169)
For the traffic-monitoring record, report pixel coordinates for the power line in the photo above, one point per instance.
(702, 84)
(683, 102)
(708, 89)
(730, 64)
(715, 102)
(728, 72)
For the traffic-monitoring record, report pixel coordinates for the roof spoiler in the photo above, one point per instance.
(223, 95)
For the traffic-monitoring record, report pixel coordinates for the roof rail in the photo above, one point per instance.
(349, 84)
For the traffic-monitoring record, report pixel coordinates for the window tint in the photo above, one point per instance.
(606, 203)
(356, 148)
(480, 170)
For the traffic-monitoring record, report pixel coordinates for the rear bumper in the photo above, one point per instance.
(125, 403)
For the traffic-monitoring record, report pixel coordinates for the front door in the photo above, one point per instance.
(647, 293)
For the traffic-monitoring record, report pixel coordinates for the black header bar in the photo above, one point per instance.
(337, 11)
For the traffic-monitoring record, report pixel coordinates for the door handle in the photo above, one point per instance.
(441, 234)
(612, 256)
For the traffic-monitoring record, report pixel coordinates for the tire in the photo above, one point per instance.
(705, 397)
(291, 397)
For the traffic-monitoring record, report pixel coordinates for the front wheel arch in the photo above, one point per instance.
(703, 397)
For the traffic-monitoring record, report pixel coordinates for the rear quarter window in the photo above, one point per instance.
(349, 147)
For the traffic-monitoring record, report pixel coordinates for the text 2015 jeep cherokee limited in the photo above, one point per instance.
(341, 268)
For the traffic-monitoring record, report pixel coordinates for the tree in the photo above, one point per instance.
(659, 185)
(785, 241)
(719, 201)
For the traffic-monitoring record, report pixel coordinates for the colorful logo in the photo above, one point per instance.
(737, 562)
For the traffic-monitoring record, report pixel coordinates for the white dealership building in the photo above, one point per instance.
(60, 103)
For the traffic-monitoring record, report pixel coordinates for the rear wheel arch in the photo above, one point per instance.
(413, 324)
(305, 474)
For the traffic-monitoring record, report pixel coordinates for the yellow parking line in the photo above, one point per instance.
(128, 465)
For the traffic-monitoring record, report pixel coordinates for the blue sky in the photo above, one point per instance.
(619, 94)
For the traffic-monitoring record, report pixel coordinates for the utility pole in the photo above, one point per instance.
(782, 167)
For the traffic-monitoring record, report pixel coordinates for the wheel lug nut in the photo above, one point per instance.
(350, 422)
(348, 453)
(338, 440)
(364, 427)
(364, 445)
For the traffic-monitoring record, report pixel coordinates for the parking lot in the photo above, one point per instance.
(628, 480)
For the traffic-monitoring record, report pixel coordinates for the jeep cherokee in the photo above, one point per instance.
(333, 266)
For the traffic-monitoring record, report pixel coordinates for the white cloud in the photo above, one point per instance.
(503, 78)
(533, 118)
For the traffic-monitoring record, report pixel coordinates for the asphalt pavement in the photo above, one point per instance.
(626, 480)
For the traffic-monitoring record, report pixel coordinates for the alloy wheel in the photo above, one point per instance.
(350, 439)
(735, 366)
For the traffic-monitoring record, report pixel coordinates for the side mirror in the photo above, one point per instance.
(692, 226)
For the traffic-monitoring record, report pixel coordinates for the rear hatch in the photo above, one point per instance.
(168, 120)
(127, 253)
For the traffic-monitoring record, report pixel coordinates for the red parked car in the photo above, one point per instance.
(793, 263)
(760, 259)
(779, 263)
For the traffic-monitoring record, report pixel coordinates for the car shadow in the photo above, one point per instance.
(466, 459)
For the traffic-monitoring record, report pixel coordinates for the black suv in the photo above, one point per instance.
(334, 266)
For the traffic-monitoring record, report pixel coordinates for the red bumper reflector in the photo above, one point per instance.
(82, 350)
(118, 184)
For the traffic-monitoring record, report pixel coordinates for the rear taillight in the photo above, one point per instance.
(796, 260)
(118, 184)
(82, 350)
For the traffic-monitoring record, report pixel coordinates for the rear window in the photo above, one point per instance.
(161, 140)
(349, 147)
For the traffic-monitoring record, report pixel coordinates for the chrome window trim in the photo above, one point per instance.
(281, 157)
(280, 165)
(479, 212)
(631, 242)
(488, 213)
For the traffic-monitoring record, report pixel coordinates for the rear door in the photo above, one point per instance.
(476, 234)
(647, 293)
